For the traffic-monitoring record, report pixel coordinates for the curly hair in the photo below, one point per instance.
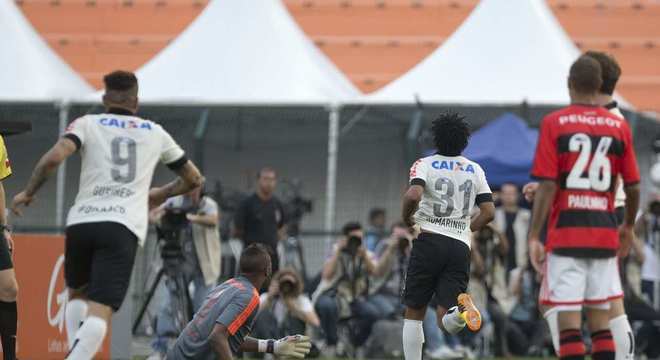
(450, 133)
(611, 71)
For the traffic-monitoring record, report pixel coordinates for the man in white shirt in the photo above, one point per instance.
(119, 153)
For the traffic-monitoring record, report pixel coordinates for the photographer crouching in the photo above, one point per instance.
(343, 291)
(200, 252)
(285, 309)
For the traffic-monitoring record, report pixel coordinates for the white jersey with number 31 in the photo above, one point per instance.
(119, 154)
(452, 186)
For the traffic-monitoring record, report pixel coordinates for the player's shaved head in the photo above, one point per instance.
(611, 71)
(585, 76)
(255, 260)
(121, 90)
(450, 133)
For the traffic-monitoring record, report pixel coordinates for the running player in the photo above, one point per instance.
(621, 331)
(582, 150)
(119, 152)
(221, 326)
(8, 286)
(443, 190)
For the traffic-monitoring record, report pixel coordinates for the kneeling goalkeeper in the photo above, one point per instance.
(221, 326)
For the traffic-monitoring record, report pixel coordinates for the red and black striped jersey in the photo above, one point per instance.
(584, 149)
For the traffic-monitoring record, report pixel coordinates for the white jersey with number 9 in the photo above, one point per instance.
(453, 185)
(119, 154)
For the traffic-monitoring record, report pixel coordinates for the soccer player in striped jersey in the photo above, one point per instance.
(582, 150)
(619, 325)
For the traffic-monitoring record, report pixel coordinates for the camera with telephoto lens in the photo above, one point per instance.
(352, 245)
(172, 224)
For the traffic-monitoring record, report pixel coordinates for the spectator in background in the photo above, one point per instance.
(343, 291)
(202, 252)
(527, 333)
(648, 230)
(490, 249)
(260, 217)
(285, 309)
(513, 221)
(376, 231)
(387, 285)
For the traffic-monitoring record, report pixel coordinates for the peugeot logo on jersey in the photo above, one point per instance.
(124, 124)
(452, 165)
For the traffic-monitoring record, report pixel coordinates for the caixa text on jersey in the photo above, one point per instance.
(125, 124)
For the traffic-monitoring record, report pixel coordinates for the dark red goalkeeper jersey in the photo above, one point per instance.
(584, 149)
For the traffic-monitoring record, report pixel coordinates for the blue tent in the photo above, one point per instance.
(505, 150)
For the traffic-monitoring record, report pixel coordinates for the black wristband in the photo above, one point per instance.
(270, 346)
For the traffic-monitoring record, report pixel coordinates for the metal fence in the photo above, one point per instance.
(376, 146)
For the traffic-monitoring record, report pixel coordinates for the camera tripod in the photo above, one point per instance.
(176, 282)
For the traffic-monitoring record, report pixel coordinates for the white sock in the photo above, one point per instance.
(413, 339)
(74, 314)
(88, 339)
(551, 317)
(452, 321)
(624, 339)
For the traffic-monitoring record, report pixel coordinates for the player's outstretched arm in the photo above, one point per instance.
(292, 347)
(46, 166)
(189, 178)
(219, 341)
(486, 215)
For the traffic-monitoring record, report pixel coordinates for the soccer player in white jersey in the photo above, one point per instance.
(443, 190)
(622, 333)
(119, 153)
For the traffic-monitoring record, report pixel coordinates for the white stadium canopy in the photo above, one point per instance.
(30, 70)
(506, 51)
(243, 52)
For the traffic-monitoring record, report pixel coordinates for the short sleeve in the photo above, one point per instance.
(304, 304)
(77, 131)
(5, 165)
(170, 151)
(238, 311)
(283, 215)
(418, 173)
(629, 167)
(546, 163)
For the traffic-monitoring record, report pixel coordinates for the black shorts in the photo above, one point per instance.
(99, 260)
(5, 254)
(439, 266)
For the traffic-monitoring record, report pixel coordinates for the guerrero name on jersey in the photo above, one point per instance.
(452, 186)
(584, 149)
(119, 154)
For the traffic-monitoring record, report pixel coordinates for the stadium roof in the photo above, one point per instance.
(248, 51)
(506, 51)
(29, 69)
